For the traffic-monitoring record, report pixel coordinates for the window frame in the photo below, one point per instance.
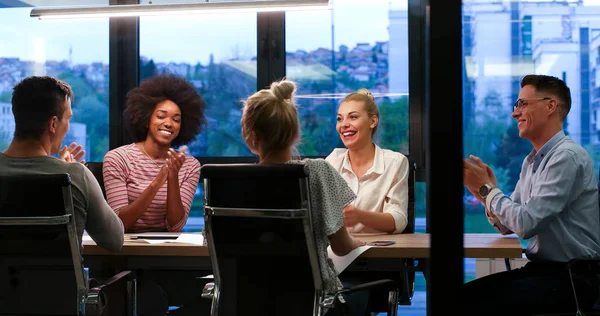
(271, 66)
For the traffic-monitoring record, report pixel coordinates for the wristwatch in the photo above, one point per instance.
(485, 189)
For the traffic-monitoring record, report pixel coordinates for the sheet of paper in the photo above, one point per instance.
(341, 263)
(184, 238)
(155, 241)
(87, 237)
(191, 238)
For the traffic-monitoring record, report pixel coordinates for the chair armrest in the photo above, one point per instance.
(388, 284)
(578, 261)
(208, 292)
(330, 300)
(590, 265)
(207, 277)
(94, 294)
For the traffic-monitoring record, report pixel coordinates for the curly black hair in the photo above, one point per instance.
(142, 100)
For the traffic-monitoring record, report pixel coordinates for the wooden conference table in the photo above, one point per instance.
(188, 262)
(406, 246)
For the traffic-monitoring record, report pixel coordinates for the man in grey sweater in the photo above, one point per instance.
(42, 110)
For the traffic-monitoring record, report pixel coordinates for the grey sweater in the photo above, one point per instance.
(92, 213)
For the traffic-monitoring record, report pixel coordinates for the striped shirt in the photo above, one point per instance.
(128, 172)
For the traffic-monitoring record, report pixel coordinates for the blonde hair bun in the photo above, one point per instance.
(283, 90)
(365, 91)
(272, 115)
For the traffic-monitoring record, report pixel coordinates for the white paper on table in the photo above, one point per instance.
(85, 237)
(191, 238)
(186, 238)
(88, 238)
(154, 241)
(342, 262)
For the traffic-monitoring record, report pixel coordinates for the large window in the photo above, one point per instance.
(557, 38)
(358, 44)
(59, 49)
(217, 54)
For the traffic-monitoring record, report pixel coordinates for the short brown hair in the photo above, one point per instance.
(34, 101)
(142, 100)
(363, 95)
(553, 86)
(272, 115)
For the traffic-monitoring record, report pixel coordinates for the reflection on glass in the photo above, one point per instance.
(59, 49)
(558, 38)
(357, 44)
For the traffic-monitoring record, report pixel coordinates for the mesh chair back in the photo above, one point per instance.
(258, 228)
(40, 261)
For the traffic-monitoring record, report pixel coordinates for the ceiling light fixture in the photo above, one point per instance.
(172, 9)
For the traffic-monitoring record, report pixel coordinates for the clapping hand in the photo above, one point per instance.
(476, 173)
(72, 153)
(176, 160)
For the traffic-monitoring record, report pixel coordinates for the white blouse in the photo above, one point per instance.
(383, 188)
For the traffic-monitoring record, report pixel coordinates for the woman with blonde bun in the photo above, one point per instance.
(270, 128)
(378, 177)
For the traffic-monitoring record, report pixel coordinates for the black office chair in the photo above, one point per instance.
(592, 267)
(260, 237)
(405, 277)
(41, 269)
(96, 169)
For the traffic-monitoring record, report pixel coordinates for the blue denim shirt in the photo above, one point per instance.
(554, 204)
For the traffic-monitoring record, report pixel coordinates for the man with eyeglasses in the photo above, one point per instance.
(554, 206)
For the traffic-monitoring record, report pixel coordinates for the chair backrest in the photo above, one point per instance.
(40, 260)
(259, 234)
(96, 169)
(407, 280)
(410, 227)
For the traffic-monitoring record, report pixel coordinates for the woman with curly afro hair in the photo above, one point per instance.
(148, 183)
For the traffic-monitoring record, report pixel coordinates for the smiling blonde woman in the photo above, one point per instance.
(378, 177)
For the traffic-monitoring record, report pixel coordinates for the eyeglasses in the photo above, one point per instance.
(521, 103)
